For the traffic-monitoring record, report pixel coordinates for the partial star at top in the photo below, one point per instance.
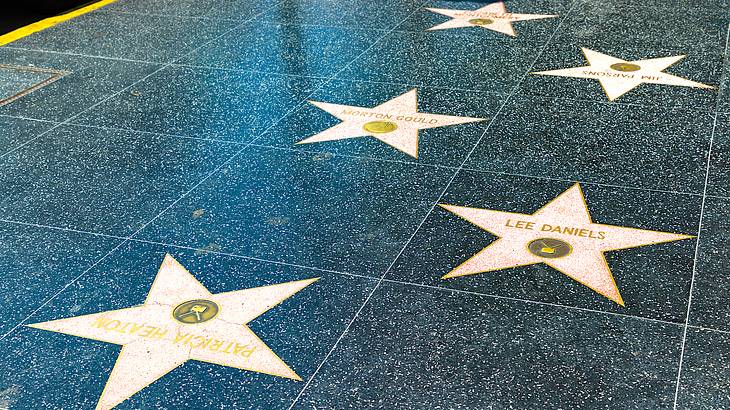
(180, 321)
(491, 17)
(617, 76)
(395, 122)
(561, 234)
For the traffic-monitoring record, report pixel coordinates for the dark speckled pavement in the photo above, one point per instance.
(367, 204)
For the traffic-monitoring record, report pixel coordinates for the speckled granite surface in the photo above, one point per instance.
(408, 204)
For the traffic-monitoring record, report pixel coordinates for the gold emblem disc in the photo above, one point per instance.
(625, 67)
(380, 127)
(481, 22)
(549, 248)
(195, 311)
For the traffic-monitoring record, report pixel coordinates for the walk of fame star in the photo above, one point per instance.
(560, 235)
(180, 321)
(617, 76)
(395, 122)
(491, 17)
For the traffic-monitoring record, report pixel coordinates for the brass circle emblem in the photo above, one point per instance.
(380, 127)
(481, 22)
(195, 311)
(549, 248)
(625, 67)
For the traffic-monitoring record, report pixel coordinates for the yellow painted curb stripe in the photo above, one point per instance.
(49, 22)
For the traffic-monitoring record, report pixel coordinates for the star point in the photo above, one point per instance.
(617, 76)
(561, 235)
(395, 122)
(181, 320)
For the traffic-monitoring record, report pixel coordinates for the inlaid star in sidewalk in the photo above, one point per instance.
(617, 76)
(491, 17)
(395, 122)
(180, 321)
(561, 235)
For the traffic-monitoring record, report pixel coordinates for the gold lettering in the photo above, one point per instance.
(148, 330)
(202, 344)
(216, 345)
(135, 328)
(101, 322)
(244, 350)
(572, 231)
(112, 325)
(158, 333)
(181, 337)
(608, 74)
(520, 224)
(228, 348)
